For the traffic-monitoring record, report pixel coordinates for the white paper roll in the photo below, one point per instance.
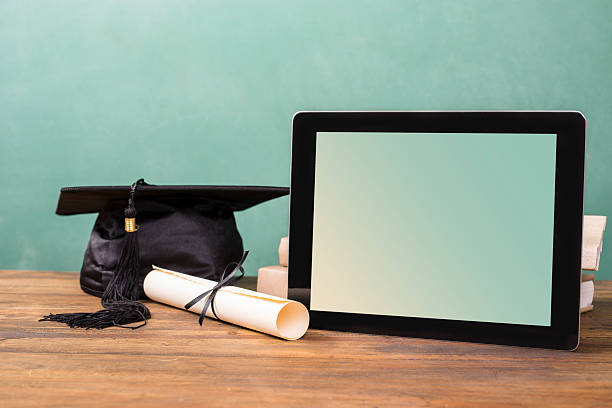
(279, 317)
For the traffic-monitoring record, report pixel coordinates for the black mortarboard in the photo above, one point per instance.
(187, 228)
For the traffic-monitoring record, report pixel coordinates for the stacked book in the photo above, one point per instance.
(592, 243)
(273, 279)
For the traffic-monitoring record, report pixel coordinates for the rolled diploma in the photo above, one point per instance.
(276, 316)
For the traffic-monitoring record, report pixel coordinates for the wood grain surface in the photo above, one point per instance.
(173, 362)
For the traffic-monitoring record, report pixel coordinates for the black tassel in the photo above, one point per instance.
(120, 299)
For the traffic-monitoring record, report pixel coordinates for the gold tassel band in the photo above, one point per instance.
(130, 225)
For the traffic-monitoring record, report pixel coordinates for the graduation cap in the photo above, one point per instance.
(187, 228)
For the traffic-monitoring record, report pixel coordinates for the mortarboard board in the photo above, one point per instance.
(186, 228)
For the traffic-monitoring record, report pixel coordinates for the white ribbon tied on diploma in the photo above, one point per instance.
(276, 316)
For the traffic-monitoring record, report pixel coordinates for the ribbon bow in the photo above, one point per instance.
(223, 281)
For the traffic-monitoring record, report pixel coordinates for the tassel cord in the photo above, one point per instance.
(120, 298)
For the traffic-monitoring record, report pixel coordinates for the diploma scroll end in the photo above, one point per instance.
(292, 321)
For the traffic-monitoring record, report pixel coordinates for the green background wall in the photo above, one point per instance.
(194, 92)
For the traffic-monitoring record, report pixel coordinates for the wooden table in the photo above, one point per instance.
(174, 362)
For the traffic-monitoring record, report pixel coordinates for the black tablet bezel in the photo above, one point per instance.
(569, 126)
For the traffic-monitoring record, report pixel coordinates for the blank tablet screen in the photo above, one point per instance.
(437, 225)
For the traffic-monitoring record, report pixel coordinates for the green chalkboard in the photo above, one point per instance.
(195, 92)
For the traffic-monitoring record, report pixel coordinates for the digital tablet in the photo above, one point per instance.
(448, 225)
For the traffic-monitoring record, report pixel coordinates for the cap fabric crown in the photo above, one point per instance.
(187, 228)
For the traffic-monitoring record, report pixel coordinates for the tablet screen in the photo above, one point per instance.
(436, 225)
